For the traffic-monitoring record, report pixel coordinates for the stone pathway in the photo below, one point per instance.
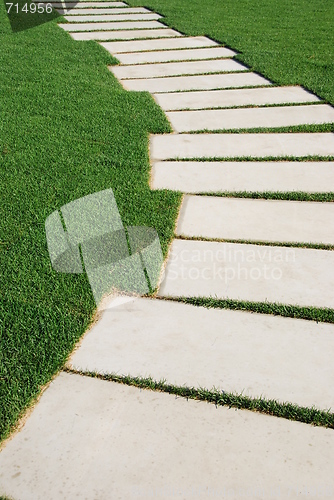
(89, 438)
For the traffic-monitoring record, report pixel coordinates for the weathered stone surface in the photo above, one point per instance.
(269, 117)
(205, 177)
(257, 220)
(253, 354)
(123, 35)
(297, 276)
(90, 438)
(132, 26)
(196, 82)
(88, 4)
(167, 147)
(73, 18)
(235, 97)
(158, 44)
(175, 55)
(176, 68)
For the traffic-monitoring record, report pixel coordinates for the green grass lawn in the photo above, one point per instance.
(67, 129)
(291, 42)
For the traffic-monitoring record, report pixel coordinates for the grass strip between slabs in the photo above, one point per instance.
(217, 397)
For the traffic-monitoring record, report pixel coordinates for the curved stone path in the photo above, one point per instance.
(225, 247)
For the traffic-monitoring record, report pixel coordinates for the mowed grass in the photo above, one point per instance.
(291, 43)
(67, 129)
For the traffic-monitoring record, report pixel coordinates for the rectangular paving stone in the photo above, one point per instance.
(132, 26)
(123, 35)
(242, 118)
(175, 55)
(205, 177)
(285, 275)
(257, 220)
(235, 97)
(111, 17)
(94, 439)
(88, 4)
(177, 68)
(195, 82)
(168, 147)
(163, 44)
(253, 354)
(84, 11)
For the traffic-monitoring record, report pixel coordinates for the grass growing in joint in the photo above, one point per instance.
(272, 407)
(271, 195)
(309, 313)
(67, 129)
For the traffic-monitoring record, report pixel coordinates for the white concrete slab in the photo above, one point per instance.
(206, 177)
(257, 220)
(181, 42)
(236, 97)
(196, 82)
(111, 17)
(123, 35)
(242, 118)
(167, 147)
(132, 26)
(94, 439)
(88, 4)
(100, 10)
(253, 354)
(175, 55)
(177, 68)
(287, 275)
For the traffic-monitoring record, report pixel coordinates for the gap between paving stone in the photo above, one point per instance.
(122, 35)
